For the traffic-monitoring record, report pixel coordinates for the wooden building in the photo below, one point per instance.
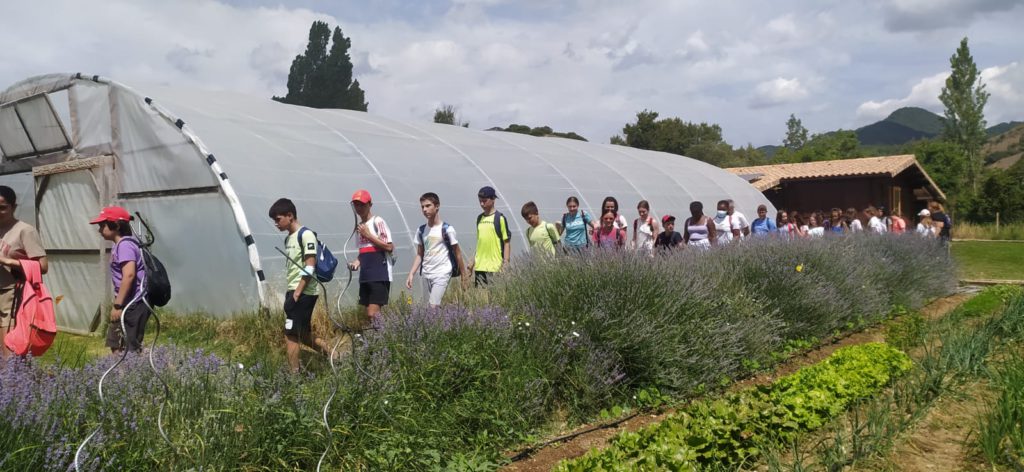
(896, 182)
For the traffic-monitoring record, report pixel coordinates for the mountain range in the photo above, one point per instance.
(905, 125)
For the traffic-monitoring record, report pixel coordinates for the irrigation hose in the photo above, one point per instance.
(99, 388)
(532, 449)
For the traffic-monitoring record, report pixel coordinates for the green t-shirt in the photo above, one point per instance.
(297, 253)
(542, 238)
(488, 246)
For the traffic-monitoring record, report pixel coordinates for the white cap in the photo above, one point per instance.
(924, 212)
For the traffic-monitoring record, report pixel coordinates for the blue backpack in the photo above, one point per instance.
(326, 263)
(447, 244)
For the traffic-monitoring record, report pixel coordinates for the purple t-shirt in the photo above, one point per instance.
(126, 250)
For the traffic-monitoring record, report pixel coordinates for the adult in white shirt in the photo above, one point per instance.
(740, 219)
(726, 228)
(875, 224)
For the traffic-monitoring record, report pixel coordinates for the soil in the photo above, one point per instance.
(546, 458)
(941, 441)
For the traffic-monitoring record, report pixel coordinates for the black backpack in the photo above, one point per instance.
(158, 283)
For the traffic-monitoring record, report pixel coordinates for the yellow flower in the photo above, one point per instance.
(800, 268)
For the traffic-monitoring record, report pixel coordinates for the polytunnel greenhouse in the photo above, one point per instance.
(203, 167)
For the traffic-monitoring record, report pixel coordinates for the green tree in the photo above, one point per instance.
(669, 134)
(840, 144)
(796, 134)
(539, 131)
(322, 79)
(964, 97)
(946, 163)
(447, 115)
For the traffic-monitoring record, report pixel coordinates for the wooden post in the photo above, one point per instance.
(997, 222)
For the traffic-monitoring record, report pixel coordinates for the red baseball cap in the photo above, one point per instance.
(667, 218)
(112, 213)
(361, 196)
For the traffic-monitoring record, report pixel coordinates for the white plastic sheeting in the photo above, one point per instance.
(266, 150)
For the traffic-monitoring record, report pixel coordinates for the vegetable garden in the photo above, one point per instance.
(555, 343)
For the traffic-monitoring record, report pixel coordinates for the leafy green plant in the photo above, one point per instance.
(734, 430)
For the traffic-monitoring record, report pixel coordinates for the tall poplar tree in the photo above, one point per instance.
(964, 97)
(322, 79)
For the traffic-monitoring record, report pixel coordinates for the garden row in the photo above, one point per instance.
(756, 425)
(558, 341)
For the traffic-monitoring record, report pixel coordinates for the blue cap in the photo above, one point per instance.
(487, 192)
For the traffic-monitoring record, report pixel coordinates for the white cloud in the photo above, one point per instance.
(578, 65)
(1004, 83)
(778, 91)
(924, 94)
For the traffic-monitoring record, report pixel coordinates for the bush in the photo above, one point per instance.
(691, 318)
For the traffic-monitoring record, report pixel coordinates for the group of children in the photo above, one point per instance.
(439, 258)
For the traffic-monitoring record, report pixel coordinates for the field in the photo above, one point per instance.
(989, 260)
(556, 344)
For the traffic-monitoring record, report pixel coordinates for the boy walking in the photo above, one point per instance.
(300, 297)
(492, 239)
(542, 236)
(438, 255)
(374, 264)
(669, 238)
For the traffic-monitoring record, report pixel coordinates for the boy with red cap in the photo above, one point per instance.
(128, 275)
(374, 264)
(669, 238)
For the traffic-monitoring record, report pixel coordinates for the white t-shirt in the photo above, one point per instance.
(741, 221)
(620, 222)
(644, 234)
(927, 231)
(375, 265)
(437, 263)
(816, 232)
(876, 225)
(724, 227)
(856, 226)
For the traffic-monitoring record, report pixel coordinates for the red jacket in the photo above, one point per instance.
(35, 323)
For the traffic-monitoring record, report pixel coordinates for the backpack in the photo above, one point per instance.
(447, 244)
(586, 221)
(158, 281)
(326, 263)
(552, 233)
(498, 217)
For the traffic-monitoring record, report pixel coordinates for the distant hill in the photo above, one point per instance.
(1004, 149)
(769, 150)
(539, 131)
(901, 126)
(1003, 127)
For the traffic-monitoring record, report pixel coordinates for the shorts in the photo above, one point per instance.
(6, 306)
(374, 293)
(298, 315)
(435, 288)
(135, 319)
(481, 278)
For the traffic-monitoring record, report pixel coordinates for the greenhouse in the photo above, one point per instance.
(203, 167)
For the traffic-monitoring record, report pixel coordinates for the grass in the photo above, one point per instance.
(1012, 231)
(989, 260)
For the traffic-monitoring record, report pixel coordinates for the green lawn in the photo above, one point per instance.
(990, 260)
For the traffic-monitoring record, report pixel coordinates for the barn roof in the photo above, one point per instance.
(768, 176)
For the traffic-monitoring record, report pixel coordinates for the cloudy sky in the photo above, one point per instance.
(586, 66)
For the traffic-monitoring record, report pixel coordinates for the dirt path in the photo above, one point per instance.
(545, 459)
(940, 442)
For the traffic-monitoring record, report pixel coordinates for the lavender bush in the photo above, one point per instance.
(450, 388)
